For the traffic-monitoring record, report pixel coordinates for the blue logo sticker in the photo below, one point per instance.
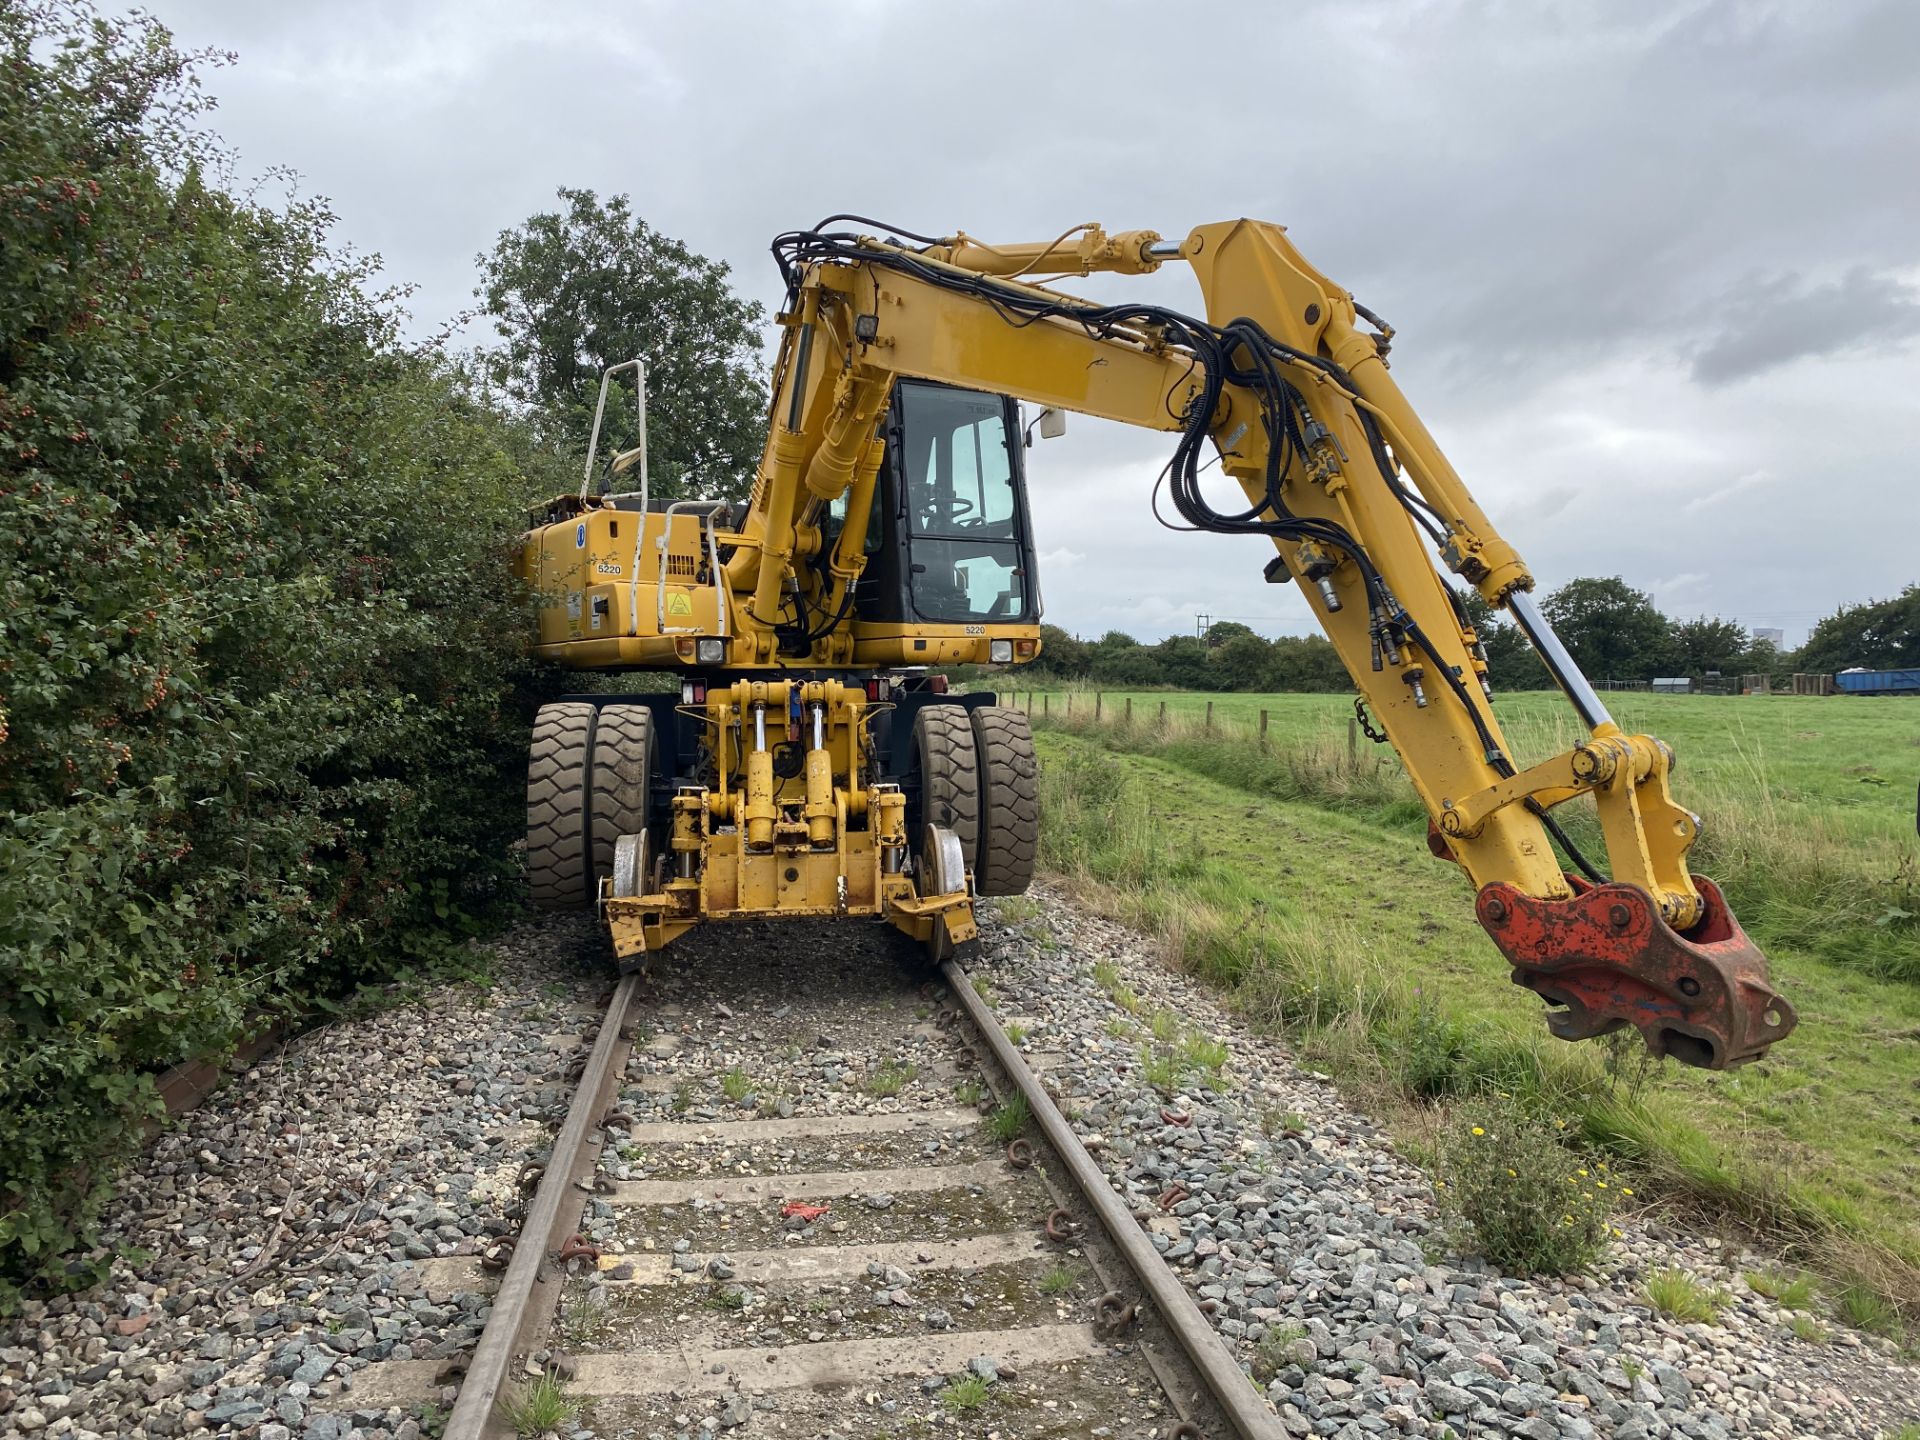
(580, 536)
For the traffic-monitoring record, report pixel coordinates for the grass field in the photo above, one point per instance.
(1299, 881)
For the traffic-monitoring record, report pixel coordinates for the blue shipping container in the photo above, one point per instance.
(1878, 682)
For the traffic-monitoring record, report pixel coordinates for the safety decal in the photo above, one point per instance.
(580, 536)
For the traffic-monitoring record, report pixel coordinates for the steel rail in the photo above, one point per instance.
(515, 1319)
(1225, 1382)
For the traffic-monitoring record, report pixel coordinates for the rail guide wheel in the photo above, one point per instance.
(943, 871)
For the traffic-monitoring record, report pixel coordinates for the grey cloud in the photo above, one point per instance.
(1540, 197)
(1767, 323)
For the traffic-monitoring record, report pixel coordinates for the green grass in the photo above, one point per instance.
(1866, 1309)
(890, 1079)
(735, 1084)
(1789, 1292)
(1161, 1069)
(968, 1392)
(1017, 1034)
(1059, 1280)
(683, 1097)
(970, 1092)
(1323, 918)
(538, 1406)
(1676, 1293)
(1806, 1328)
(1009, 1119)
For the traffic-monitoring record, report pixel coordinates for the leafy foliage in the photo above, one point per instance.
(257, 667)
(574, 291)
(1879, 635)
(1534, 1205)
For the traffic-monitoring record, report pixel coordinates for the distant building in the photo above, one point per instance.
(1775, 638)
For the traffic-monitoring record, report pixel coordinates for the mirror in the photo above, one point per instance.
(1053, 423)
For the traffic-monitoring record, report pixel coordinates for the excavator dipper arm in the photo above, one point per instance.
(1286, 381)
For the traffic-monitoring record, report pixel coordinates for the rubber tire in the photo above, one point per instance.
(557, 806)
(620, 776)
(949, 774)
(1009, 801)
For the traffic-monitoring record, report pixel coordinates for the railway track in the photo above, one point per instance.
(806, 1185)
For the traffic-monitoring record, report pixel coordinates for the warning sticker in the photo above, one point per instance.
(679, 603)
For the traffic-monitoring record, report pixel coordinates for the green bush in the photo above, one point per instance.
(258, 665)
(1533, 1204)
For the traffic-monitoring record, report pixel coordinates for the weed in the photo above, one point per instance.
(1106, 975)
(727, 1298)
(683, 1097)
(1118, 1029)
(1533, 1204)
(735, 1085)
(890, 1079)
(431, 1418)
(1204, 1054)
(1059, 1280)
(585, 1321)
(1009, 1119)
(969, 1092)
(1676, 1293)
(1017, 1034)
(968, 1392)
(1632, 1369)
(1127, 1000)
(982, 988)
(1165, 1026)
(539, 1406)
(1867, 1310)
(632, 1154)
(1808, 1329)
(1017, 908)
(1278, 1349)
(1160, 1069)
(1790, 1292)
(921, 1012)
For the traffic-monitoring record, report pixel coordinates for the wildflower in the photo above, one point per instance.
(1515, 1174)
(1625, 1191)
(1478, 1131)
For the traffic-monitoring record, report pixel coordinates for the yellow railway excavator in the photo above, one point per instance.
(813, 764)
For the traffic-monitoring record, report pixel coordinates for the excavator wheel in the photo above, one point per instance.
(620, 770)
(949, 774)
(1009, 801)
(558, 871)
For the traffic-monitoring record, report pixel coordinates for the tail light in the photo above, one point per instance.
(693, 692)
(876, 687)
(938, 684)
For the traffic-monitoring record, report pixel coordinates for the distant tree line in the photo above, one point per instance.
(1614, 631)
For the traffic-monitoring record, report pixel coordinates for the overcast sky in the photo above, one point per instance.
(1655, 268)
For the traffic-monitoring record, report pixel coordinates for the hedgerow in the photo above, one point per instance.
(260, 675)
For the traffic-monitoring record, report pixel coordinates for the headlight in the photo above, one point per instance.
(710, 652)
(1000, 652)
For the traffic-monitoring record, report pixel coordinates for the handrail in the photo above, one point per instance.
(713, 508)
(639, 367)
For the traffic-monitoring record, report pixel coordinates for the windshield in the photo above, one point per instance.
(962, 509)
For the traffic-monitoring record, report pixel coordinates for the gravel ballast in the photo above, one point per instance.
(1320, 1253)
(297, 1228)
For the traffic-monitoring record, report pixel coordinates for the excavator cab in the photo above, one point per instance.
(949, 542)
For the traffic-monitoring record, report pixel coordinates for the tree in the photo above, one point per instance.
(1221, 631)
(1183, 661)
(1612, 630)
(574, 292)
(1307, 663)
(1879, 635)
(1119, 659)
(1060, 654)
(1702, 644)
(1245, 662)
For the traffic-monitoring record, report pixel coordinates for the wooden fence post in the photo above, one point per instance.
(1163, 714)
(1263, 729)
(1129, 711)
(1046, 705)
(1096, 705)
(1209, 715)
(1069, 700)
(1353, 742)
